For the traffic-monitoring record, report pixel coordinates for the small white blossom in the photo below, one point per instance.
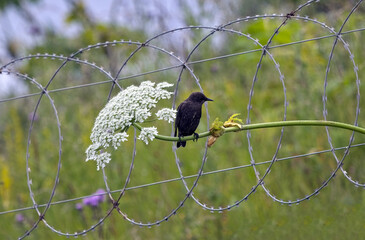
(132, 105)
(91, 151)
(166, 114)
(103, 159)
(147, 133)
(164, 85)
(118, 138)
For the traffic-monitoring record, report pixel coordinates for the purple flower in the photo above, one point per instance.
(97, 198)
(19, 218)
(92, 201)
(101, 194)
(79, 206)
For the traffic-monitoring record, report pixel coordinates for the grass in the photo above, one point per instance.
(336, 213)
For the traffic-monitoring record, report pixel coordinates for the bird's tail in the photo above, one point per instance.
(181, 144)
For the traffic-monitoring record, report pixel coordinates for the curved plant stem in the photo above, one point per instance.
(266, 125)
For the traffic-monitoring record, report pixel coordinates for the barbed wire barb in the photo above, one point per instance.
(116, 81)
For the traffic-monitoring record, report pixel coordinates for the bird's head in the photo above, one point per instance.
(198, 97)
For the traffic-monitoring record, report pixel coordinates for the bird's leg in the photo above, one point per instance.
(196, 136)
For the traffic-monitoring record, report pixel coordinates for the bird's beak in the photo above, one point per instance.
(208, 99)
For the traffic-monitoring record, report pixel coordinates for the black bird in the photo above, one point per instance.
(188, 116)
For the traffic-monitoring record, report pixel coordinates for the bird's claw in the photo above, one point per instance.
(196, 136)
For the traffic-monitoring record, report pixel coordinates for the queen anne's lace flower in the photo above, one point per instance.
(166, 114)
(147, 133)
(132, 105)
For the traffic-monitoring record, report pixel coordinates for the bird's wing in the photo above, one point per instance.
(177, 119)
(195, 119)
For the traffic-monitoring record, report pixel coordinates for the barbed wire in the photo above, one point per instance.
(93, 65)
(185, 177)
(184, 65)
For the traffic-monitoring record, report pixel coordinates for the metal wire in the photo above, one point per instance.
(59, 57)
(185, 177)
(185, 65)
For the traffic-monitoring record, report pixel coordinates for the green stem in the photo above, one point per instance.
(267, 125)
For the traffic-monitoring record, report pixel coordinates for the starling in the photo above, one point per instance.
(188, 116)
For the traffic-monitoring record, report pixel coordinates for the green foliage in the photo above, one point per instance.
(217, 128)
(337, 212)
(16, 3)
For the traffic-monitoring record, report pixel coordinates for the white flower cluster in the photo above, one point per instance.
(147, 133)
(166, 114)
(132, 105)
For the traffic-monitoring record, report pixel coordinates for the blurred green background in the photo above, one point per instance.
(338, 212)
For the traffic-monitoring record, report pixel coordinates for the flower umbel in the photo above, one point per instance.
(147, 133)
(132, 105)
(166, 114)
